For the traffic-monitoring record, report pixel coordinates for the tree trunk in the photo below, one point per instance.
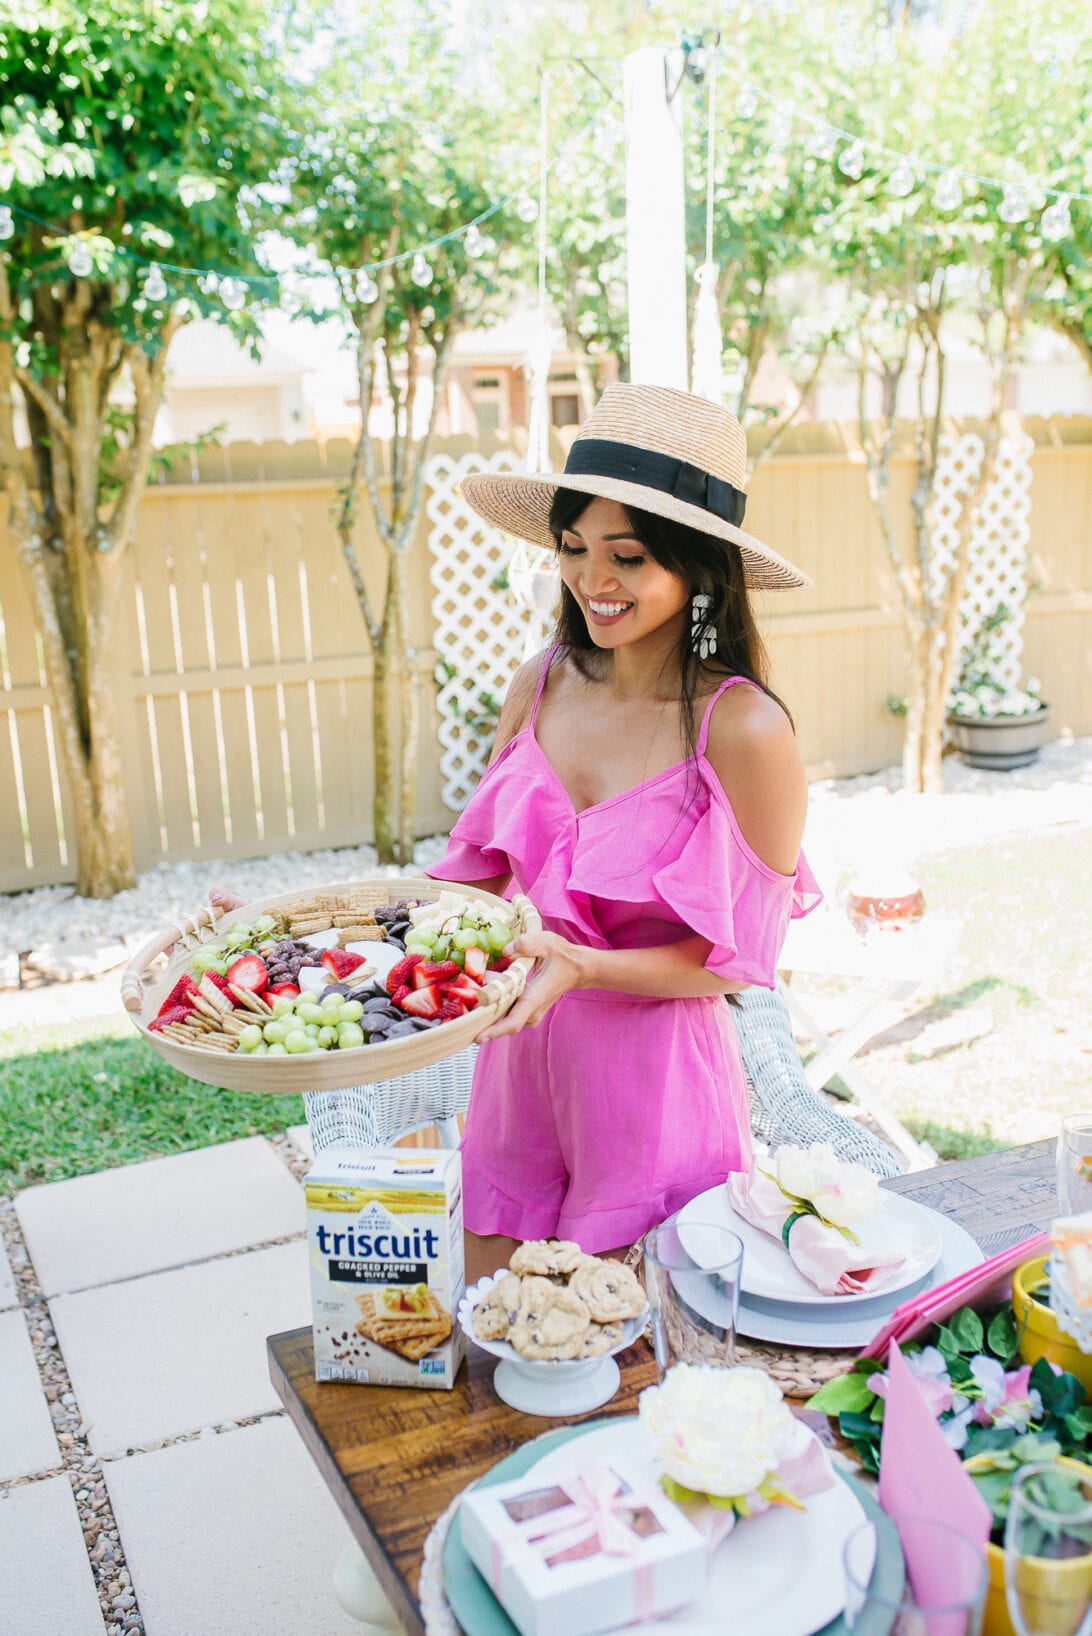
(382, 705)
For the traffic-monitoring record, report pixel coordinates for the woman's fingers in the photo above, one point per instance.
(225, 900)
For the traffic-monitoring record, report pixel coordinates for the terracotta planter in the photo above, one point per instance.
(999, 742)
(1040, 1333)
(1060, 1589)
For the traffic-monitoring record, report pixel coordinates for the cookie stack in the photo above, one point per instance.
(556, 1304)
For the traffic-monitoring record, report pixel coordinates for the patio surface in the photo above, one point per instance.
(157, 1284)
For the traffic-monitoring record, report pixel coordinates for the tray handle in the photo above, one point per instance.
(505, 987)
(191, 931)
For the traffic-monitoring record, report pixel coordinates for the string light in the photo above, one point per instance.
(746, 103)
(474, 242)
(1014, 206)
(1056, 222)
(527, 208)
(823, 143)
(155, 285)
(367, 290)
(902, 179)
(7, 222)
(851, 160)
(233, 293)
(80, 263)
(421, 272)
(948, 193)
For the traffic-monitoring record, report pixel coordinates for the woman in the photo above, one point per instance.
(646, 793)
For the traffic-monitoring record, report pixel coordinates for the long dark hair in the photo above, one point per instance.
(706, 564)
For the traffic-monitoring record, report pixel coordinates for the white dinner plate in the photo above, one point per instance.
(780, 1573)
(768, 1271)
(826, 1327)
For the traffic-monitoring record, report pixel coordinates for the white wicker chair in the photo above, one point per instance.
(784, 1108)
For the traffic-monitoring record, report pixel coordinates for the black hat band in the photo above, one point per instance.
(602, 457)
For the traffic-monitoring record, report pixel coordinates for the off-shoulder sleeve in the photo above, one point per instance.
(506, 827)
(725, 893)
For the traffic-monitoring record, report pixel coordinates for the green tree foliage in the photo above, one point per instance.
(129, 126)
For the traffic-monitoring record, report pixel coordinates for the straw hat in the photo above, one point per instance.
(657, 450)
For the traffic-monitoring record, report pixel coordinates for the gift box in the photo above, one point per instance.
(588, 1550)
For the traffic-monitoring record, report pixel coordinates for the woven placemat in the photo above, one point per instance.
(797, 1371)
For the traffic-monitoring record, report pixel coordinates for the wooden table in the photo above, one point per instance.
(394, 1459)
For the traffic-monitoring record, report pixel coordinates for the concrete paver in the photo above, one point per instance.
(9, 1295)
(163, 1213)
(231, 1535)
(44, 1571)
(300, 1138)
(160, 1356)
(27, 1440)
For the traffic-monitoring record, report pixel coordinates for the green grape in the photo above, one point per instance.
(348, 1035)
(499, 937)
(419, 942)
(249, 1037)
(265, 923)
(238, 937)
(331, 1003)
(293, 1024)
(204, 958)
(470, 938)
(309, 1011)
(261, 1050)
(276, 1049)
(283, 1004)
(273, 1033)
(350, 1011)
(299, 1041)
(327, 1037)
(312, 1031)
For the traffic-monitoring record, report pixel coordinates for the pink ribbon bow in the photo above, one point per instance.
(597, 1511)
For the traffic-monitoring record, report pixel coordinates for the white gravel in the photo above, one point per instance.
(850, 820)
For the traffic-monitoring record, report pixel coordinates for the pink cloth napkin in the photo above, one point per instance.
(823, 1255)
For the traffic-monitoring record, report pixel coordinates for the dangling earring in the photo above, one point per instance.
(703, 636)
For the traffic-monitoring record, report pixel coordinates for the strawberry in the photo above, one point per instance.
(401, 974)
(400, 993)
(340, 963)
(423, 1002)
(434, 971)
(179, 996)
(282, 988)
(451, 1008)
(217, 981)
(462, 988)
(170, 1014)
(250, 972)
(500, 962)
(476, 964)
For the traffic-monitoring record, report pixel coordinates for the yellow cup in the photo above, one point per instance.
(1040, 1335)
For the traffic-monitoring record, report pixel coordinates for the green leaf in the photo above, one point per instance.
(847, 1392)
(1001, 1335)
(966, 1329)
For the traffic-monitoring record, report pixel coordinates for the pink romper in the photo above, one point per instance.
(617, 1109)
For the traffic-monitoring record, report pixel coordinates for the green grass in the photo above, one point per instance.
(73, 1106)
(955, 1144)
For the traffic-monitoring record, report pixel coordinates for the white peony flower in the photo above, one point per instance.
(842, 1193)
(720, 1431)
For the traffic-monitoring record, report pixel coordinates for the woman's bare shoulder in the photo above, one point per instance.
(753, 751)
(518, 701)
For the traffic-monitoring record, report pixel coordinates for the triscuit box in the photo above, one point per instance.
(385, 1239)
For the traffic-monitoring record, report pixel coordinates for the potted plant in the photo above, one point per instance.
(991, 723)
(995, 1416)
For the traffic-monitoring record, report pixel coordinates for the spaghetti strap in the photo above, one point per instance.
(542, 675)
(703, 736)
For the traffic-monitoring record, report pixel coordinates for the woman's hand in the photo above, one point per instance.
(225, 901)
(559, 966)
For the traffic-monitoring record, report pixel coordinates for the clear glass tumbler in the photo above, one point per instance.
(1048, 1551)
(944, 1592)
(1075, 1164)
(692, 1274)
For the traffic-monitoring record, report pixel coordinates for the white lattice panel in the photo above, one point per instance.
(480, 631)
(997, 570)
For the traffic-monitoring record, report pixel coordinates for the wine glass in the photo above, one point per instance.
(692, 1273)
(944, 1589)
(1075, 1164)
(1048, 1550)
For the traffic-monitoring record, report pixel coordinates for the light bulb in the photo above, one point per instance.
(1056, 222)
(7, 222)
(155, 285)
(421, 272)
(823, 143)
(367, 290)
(233, 293)
(851, 161)
(780, 128)
(1014, 205)
(527, 208)
(80, 264)
(902, 179)
(948, 193)
(473, 242)
(746, 104)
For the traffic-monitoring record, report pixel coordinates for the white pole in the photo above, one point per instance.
(655, 224)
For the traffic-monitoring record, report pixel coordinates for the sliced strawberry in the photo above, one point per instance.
(452, 1008)
(423, 1002)
(217, 981)
(282, 988)
(462, 988)
(401, 974)
(476, 964)
(168, 1015)
(180, 995)
(250, 971)
(340, 963)
(399, 994)
(434, 971)
(500, 962)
